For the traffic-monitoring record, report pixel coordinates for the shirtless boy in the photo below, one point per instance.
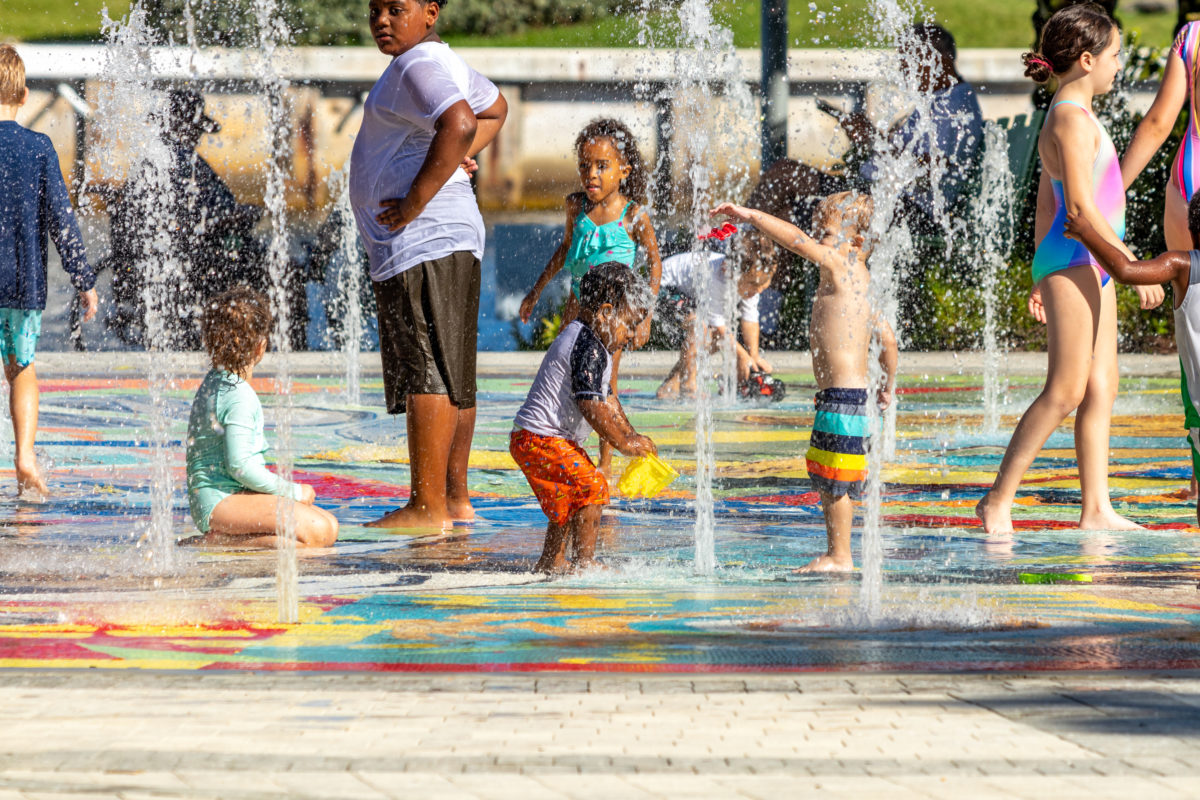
(841, 328)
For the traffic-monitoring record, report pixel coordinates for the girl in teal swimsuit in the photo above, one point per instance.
(607, 221)
(1072, 295)
(234, 498)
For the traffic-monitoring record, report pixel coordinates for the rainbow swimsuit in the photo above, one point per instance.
(1186, 169)
(837, 452)
(1056, 252)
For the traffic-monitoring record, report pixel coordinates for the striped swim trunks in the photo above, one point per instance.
(837, 452)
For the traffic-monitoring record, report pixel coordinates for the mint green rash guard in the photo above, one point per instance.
(226, 447)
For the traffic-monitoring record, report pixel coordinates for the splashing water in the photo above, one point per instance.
(273, 33)
(349, 286)
(707, 97)
(993, 214)
(131, 118)
(898, 169)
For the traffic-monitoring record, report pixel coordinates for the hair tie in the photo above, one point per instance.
(1042, 61)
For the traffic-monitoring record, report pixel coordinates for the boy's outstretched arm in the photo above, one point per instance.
(608, 419)
(781, 231)
(453, 135)
(1174, 266)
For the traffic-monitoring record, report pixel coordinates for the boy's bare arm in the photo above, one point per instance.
(488, 124)
(781, 231)
(453, 134)
(1174, 266)
(608, 419)
(889, 359)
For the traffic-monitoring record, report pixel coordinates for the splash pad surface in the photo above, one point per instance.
(81, 587)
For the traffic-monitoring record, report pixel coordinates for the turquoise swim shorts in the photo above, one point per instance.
(19, 332)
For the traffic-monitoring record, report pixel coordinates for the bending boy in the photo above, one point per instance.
(842, 325)
(569, 398)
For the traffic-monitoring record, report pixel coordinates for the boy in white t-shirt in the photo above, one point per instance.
(424, 119)
(569, 398)
(1182, 270)
(677, 305)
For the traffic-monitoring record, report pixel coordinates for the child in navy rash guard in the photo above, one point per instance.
(34, 207)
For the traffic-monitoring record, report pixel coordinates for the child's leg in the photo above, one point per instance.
(253, 520)
(432, 428)
(584, 527)
(23, 406)
(606, 449)
(1092, 423)
(554, 551)
(839, 520)
(1072, 301)
(458, 498)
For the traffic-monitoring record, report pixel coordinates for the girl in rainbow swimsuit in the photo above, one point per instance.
(1072, 294)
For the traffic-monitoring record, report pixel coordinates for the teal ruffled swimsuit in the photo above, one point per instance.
(593, 244)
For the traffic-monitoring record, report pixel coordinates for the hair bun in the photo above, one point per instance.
(1037, 67)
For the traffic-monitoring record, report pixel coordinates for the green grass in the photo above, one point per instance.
(55, 20)
(975, 23)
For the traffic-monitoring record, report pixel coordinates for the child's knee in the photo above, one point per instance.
(318, 529)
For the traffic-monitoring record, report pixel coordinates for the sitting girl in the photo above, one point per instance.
(234, 499)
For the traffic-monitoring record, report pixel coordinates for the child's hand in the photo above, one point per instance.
(398, 212)
(641, 335)
(308, 495)
(1150, 296)
(762, 365)
(527, 306)
(740, 213)
(638, 445)
(469, 165)
(1036, 308)
(884, 397)
(89, 302)
(1076, 227)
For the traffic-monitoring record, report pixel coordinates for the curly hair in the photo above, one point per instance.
(636, 185)
(234, 326)
(615, 284)
(1071, 32)
(1194, 213)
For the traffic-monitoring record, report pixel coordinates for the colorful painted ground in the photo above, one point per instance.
(80, 585)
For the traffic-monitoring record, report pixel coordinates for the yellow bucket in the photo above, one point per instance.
(646, 476)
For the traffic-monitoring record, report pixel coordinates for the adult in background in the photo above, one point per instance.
(426, 116)
(952, 136)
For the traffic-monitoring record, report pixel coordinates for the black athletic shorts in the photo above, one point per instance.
(428, 329)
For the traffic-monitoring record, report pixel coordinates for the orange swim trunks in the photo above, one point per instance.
(562, 477)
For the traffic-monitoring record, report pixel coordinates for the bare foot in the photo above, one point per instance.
(411, 517)
(1107, 521)
(825, 563)
(552, 566)
(31, 486)
(461, 510)
(994, 518)
(669, 390)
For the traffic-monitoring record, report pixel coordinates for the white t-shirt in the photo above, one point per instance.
(576, 367)
(678, 274)
(397, 129)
